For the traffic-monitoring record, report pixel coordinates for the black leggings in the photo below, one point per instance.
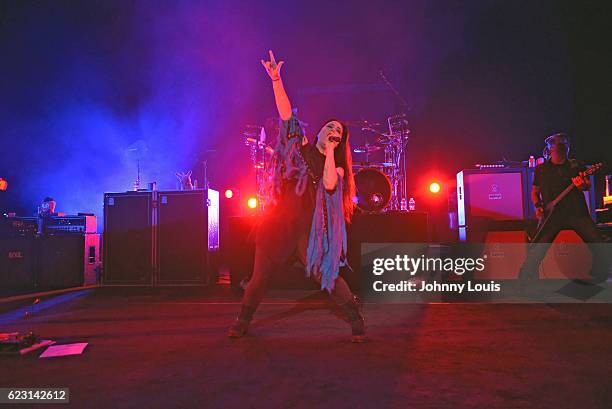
(266, 263)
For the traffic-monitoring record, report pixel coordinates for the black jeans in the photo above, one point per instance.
(584, 227)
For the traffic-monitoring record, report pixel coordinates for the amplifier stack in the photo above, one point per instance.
(494, 209)
(497, 196)
(160, 237)
(48, 253)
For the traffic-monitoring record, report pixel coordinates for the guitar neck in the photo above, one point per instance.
(562, 194)
(569, 188)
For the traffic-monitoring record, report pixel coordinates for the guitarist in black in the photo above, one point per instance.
(550, 179)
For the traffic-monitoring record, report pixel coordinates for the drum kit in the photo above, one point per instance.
(381, 186)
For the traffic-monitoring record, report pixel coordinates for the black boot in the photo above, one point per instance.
(241, 325)
(352, 308)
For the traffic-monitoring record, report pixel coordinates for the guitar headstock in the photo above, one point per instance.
(593, 169)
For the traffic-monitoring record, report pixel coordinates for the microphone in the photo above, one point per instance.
(335, 138)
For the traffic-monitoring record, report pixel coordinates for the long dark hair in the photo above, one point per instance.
(344, 160)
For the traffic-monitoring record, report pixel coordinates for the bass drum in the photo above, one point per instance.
(373, 190)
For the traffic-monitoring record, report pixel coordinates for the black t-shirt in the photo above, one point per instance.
(289, 221)
(552, 179)
(314, 159)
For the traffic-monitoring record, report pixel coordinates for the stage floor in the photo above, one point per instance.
(167, 348)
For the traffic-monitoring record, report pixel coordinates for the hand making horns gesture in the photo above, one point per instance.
(272, 68)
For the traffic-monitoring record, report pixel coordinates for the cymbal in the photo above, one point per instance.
(366, 149)
(378, 165)
(362, 123)
(252, 142)
(253, 131)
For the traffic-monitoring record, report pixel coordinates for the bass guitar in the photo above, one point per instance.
(550, 207)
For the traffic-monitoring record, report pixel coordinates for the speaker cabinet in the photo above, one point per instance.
(17, 263)
(49, 262)
(159, 238)
(182, 233)
(128, 238)
(390, 227)
(68, 261)
(494, 194)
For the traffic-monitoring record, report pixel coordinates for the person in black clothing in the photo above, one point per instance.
(47, 207)
(571, 213)
(314, 190)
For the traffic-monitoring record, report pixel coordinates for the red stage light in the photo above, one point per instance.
(229, 193)
(3, 184)
(434, 187)
(252, 202)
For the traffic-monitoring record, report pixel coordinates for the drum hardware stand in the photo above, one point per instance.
(137, 181)
(203, 160)
(395, 153)
(396, 149)
(395, 91)
(137, 151)
(261, 153)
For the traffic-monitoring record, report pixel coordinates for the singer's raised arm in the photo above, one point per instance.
(280, 95)
(288, 163)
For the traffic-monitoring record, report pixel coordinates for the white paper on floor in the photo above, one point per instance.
(63, 350)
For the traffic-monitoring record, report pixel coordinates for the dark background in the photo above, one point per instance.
(90, 90)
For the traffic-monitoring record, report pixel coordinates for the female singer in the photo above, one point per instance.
(314, 189)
